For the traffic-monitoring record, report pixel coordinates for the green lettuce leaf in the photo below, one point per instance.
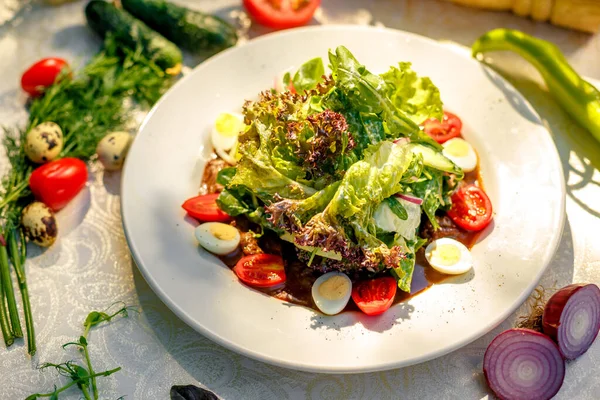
(346, 225)
(369, 181)
(430, 190)
(418, 97)
(321, 167)
(309, 75)
(368, 93)
(405, 269)
(255, 170)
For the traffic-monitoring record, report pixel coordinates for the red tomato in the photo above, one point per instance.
(41, 75)
(375, 296)
(205, 208)
(260, 270)
(448, 128)
(471, 208)
(281, 14)
(58, 182)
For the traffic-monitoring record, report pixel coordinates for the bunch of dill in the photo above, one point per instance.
(87, 104)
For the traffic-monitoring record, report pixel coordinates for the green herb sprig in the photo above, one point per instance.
(83, 376)
(87, 104)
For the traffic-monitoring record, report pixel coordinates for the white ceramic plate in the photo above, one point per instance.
(520, 167)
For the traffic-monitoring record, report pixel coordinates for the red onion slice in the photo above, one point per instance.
(522, 364)
(572, 318)
(412, 199)
(402, 141)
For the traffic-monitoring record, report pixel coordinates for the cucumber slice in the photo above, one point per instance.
(435, 159)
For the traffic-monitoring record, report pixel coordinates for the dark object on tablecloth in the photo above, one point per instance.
(191, 392)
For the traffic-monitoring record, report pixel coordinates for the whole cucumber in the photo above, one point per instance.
(104, 18)
(192, 30)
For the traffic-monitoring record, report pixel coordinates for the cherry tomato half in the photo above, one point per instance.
(204, 208)
(442, 131)
(260, 270)
(375, 296)
(41, 75)
(471, 208)
(281, 14)
(58, 182)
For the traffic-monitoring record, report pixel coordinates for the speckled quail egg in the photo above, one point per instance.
(44, 142)
(331, 292)
(39, 224)
(449, 256)
(218, 238)
(112, 150)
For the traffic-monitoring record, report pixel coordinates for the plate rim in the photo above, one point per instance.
(331, 369)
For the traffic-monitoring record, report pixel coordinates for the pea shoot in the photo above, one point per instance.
(83, 376)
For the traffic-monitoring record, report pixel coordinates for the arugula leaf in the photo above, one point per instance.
(374, 129)
(226, 175)
(309, 75)
(232, 204)
(368, 93)
(234, 200)
(397, 208)
(430, 190)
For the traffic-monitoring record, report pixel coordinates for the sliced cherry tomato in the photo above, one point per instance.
(442, 131)
(375, 296)
(471, 208)
(205, 208)
(41, 75)
(281, 14)
(260, 270)
(58, 182)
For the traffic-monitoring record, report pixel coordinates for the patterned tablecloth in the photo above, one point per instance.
(91, 266)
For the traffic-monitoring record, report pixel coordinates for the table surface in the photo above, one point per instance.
(91, 266)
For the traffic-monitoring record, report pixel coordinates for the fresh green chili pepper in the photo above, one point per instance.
(576, 96)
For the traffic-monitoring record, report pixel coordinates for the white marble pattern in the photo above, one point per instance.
(91, 267)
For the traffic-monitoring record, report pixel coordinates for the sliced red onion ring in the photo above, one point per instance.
(572, 318)
(2, 241)
(402, 141)
(412, 199)
(522, 364)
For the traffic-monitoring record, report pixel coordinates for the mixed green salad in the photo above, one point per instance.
(341, 167)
